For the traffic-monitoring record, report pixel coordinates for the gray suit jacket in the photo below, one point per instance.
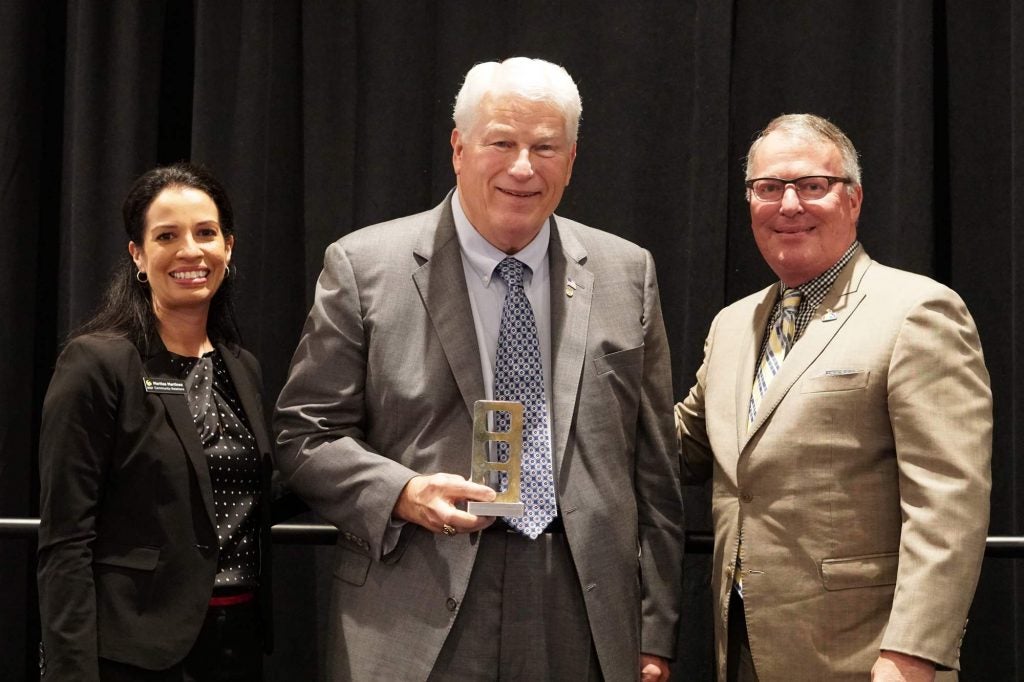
(382, 388)
(861, 490)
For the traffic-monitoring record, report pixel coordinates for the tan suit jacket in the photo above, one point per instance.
(862, 488)
(382, 387)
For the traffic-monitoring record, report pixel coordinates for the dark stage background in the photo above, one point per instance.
(322, 117)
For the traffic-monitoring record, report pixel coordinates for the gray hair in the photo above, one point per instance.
(521, 78)
(812, 128)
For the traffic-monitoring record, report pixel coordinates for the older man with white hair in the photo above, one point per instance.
(491, 296)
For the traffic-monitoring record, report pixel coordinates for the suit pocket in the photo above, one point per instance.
(870, 570)
(836, 380)
(352, 567)
(125, 576)
(143, 558)
(619, 360)
(404, 539)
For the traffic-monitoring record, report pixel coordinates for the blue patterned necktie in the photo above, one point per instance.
(519, 376)
(780, 341)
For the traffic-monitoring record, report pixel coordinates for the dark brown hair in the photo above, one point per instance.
(127, 307)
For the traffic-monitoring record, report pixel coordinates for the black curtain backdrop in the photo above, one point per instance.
(322, 117)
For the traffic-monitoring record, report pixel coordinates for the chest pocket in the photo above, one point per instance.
(836, 380)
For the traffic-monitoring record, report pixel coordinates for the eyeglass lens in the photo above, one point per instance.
(808, 188)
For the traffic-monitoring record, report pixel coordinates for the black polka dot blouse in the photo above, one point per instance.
(234, 462)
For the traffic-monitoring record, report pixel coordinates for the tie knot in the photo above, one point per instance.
(791, 299)
(511, 270)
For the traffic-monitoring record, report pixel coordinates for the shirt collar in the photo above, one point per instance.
(814, 293)
(819, 286)
(483, 256)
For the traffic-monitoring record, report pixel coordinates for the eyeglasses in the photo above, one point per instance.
(808, 188)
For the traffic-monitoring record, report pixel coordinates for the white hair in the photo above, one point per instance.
(522, 78)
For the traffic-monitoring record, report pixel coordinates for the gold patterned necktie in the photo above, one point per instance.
(780, 341)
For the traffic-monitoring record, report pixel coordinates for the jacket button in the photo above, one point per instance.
(452, 604)
(747, 497)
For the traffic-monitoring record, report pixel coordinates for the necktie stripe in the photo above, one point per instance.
(780, 342)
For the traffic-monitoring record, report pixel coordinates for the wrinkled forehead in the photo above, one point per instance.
(783, 154)
(511, 109)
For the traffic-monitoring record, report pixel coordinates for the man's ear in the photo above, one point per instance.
(856, 200)
(572, 160)
(456, 150)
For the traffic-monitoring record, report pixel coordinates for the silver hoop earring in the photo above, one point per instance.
(141, 277)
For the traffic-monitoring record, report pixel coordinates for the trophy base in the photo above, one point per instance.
(495, 508)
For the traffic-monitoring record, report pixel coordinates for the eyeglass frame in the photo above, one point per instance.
(832, 180)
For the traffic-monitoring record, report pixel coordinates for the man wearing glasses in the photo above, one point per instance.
(844, 415)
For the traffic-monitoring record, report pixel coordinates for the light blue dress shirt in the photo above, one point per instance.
(487, 292)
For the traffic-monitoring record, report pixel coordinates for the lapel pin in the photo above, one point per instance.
(570, 287)
(829, 316)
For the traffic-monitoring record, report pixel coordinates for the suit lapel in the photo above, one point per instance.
(441, 282)
(176, 405)
(749, 352)
(249, 395)
(842, 300)
(570, 318)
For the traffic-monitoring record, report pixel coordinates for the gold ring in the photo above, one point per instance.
(448, 530)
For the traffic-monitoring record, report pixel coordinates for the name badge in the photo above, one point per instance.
(175, 386)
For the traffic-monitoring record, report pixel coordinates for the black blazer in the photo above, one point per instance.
(127, 540)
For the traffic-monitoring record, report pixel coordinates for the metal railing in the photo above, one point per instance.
(307, 534)
(697, 542)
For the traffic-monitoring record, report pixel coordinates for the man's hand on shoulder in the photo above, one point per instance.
(893, 666)
(430, 502)
(653, 668)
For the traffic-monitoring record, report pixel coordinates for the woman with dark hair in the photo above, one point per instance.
(154, 461)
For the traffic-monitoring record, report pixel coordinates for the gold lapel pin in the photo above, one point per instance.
(570, 287)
